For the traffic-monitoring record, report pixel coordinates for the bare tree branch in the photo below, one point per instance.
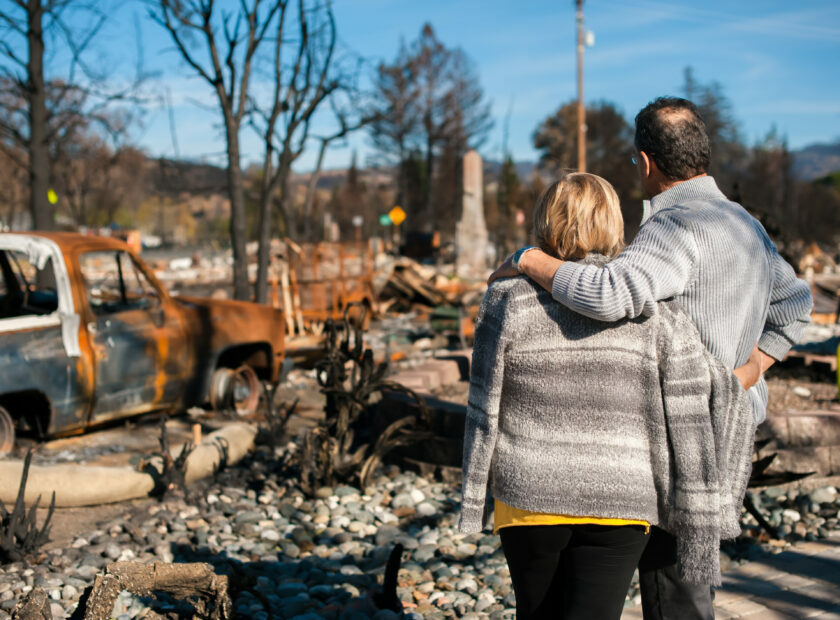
(165, 20)
(7, 50)
(14, 157)
(77, 47)
(52, 109)
(10, 23)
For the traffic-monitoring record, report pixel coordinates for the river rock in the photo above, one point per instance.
(824, 495)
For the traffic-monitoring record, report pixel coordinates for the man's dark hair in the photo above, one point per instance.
(671, 132)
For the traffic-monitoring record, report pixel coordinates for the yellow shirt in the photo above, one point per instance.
(506, 516)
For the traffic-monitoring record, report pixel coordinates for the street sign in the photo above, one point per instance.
(385, 219)
(397, 215)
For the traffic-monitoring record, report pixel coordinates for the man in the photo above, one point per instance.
(717, 260)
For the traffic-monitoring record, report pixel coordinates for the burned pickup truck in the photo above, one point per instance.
(88, 335)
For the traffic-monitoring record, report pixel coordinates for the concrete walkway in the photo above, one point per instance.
(801, 582)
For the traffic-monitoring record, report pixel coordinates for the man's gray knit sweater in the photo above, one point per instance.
(717, 261)
(568, 415)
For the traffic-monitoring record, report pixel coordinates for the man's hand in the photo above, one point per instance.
(750, 373)
(540, 267)
(535, 264)
(505, 270)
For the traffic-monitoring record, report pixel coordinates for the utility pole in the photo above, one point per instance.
(581, 110)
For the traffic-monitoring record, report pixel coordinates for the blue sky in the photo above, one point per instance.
(777, 61)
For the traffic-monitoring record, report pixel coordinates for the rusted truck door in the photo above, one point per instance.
(137, 337)
(40, 382)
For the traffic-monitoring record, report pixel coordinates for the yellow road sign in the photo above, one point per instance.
(397, 215)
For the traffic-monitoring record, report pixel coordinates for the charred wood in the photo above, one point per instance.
(388, 598)
(34, 606)
(196, 583)
(19, 532)
(172, 475)
(272, 432)
(760, 478)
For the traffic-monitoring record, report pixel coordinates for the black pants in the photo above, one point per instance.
(664, 595)
(571, 571)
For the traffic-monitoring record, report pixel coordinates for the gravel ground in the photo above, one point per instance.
(289, 556)
(293, 557)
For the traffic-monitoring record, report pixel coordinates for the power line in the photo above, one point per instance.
(581, 110)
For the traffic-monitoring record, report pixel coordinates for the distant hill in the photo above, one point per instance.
(524, 169)
(335, 176)
(816, 161)
(809, 163)
(173, 177)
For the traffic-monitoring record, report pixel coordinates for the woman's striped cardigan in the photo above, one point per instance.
(633, 420)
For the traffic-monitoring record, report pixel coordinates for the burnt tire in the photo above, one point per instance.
(7, 432)
(238, 389)
(245, 390)
(220, 388)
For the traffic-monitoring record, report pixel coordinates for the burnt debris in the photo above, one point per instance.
(196, 584)
(339, 449)
(171, 477)
(20, 536)
(272, 432)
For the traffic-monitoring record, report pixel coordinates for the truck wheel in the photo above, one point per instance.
(7, 432)
(220, 388)
(245, 390)
(238, 389)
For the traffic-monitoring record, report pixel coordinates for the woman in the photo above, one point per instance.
(586, 433)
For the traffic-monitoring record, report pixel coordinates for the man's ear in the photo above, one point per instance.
(648, 165)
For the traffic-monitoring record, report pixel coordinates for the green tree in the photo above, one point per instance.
(789, 208)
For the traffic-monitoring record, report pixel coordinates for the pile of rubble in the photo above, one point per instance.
(411, 284)
(317, 282)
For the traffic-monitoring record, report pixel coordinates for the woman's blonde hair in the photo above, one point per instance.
(579, 214)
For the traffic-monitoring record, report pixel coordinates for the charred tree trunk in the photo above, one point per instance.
(264, 237)
(39, 156)
(289, 215)
(231, 81)
(238, 223)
